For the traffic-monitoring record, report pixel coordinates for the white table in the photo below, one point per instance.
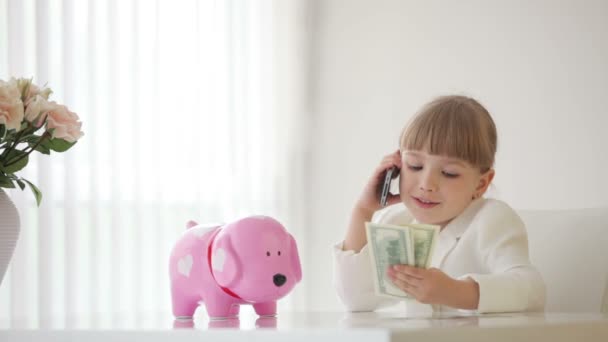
(318, 326)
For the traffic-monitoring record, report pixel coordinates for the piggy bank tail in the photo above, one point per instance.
(191, 224)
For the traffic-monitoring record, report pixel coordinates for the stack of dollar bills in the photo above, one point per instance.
(410, 244)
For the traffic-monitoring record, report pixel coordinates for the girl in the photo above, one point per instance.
(480, 261)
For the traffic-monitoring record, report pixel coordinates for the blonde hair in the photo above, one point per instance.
(454, 126)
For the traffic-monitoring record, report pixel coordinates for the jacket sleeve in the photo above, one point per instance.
(512, 283)
(353, 280)
(352, 276)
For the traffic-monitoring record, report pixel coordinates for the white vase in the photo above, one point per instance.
(9, 231)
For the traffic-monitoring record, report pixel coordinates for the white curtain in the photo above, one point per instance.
(191, 109)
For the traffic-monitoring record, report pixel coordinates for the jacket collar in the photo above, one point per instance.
(451, 233)
(460, 223)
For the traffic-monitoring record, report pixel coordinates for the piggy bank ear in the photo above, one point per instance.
(224, 262)
(295, 259)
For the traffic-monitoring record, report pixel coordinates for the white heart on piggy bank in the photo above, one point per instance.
(184, 265)
(218, 260)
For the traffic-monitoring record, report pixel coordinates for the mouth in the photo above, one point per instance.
(424, 203)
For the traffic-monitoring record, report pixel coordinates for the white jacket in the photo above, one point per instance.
(487, 242)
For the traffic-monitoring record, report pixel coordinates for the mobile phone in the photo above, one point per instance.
(386, 185)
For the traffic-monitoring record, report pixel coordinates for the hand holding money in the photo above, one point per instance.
(390, 245)
(428, 286)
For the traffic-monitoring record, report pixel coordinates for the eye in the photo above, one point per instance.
(279, 253)
(449, 174)
(267, 253)
(414, 167)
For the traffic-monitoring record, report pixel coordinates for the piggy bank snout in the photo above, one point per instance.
(279, 279)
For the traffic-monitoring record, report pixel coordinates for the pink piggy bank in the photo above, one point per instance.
(253, 260)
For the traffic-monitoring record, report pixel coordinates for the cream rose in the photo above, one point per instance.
(11, 107)
(63, 123)
(29, 90)
(34, 107)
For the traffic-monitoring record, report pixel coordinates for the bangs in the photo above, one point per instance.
(453, 128)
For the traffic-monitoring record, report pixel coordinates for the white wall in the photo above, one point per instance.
(540, 67)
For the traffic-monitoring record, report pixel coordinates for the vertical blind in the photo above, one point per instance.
(190, 109)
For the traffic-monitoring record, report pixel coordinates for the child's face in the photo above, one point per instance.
(436, 189)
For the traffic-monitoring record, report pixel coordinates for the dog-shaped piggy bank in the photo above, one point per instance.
(253, 260)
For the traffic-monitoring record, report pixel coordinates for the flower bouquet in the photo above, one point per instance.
(30, 122)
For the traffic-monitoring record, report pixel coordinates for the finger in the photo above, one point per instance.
(409, 280)
(410, 270)
(398, 156)
(384, 165)
(394, 159)
(407, 288)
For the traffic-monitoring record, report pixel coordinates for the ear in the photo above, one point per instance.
(225, 264)
(295, 259)
(484, 182)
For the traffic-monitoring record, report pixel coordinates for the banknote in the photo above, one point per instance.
(411, 244)
(424, 237)
(388, 245)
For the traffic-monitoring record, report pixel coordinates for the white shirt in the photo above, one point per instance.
(486, 242)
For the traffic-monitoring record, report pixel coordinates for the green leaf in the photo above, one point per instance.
(60, 145)
(6, 182)
(21, 184)
(43, 147)
(35, 190)
(13, 167)
(46, 142)
(32, 139)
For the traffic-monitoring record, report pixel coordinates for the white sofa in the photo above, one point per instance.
(570, 249)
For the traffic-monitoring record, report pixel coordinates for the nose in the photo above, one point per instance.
(428, 182)
(279, 279)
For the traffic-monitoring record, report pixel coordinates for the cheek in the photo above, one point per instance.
(406, 182)
(461, 188)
